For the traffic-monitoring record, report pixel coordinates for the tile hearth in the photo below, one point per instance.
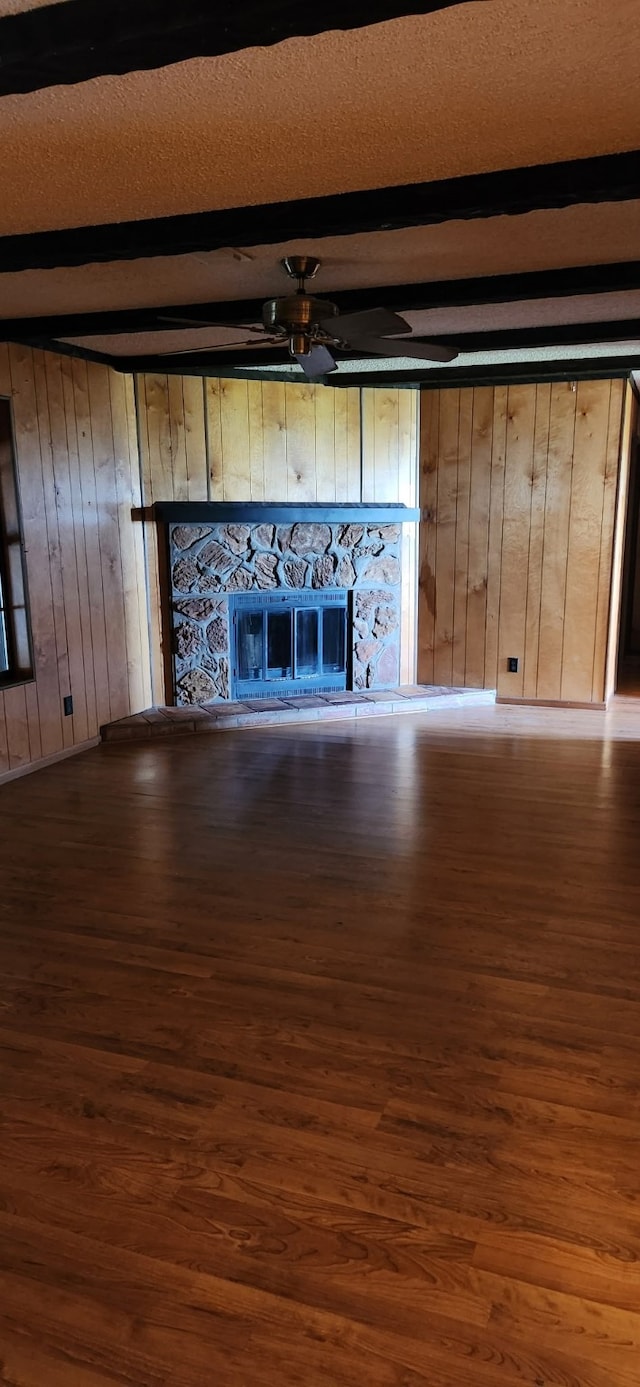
(218, 717)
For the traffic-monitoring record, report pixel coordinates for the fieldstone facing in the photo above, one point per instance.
(324, 572)
(387, 620)
(186, 535)
(197, 607)
(185, 575)
(218, 635)
(365, 603)
(236, 538)
(346, 574)
(283, 537)
(389, 533)
(388, 665)
(265, 571)
(366, 650)
(217, 666)
(196, 686)
(210, 561)
(218, 559)
(241, 580)
(350, 536)
(262, 536)
(385, 569)
(188, 640)
(295, 572)
(310, 539)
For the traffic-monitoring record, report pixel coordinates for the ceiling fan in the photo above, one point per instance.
(312, 327)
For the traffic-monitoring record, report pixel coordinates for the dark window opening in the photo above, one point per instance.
(15, 643)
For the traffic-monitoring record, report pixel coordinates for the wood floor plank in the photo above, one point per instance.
(320, 1058)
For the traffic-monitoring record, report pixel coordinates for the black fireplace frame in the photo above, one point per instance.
(291, 602)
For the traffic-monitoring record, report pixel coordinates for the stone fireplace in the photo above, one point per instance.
(265, 600)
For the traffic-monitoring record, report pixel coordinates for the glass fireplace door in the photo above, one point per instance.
(287, 644)
(307, 643)
(279, 662)
(250, 646)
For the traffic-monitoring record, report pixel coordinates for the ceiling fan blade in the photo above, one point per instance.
(377, 322)
(226, 346)
(205, 322)
(317, 362)
(407, 347)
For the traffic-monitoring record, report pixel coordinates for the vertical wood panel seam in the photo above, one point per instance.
(466, 602)
(264, 478)
(82, 558)
(544, 512)
(361, 443)
(137, 381)
(466, 605)
(125, 621)
(531, 492)
(33, 643)
(75, 542)
(85, 374)
(625, 403)
(486, 605)
(59, 553)
(205, 412)
(571, 500)
(604, 495)
(455, 545)
(504, 484)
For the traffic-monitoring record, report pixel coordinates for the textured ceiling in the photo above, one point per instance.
(468, 89)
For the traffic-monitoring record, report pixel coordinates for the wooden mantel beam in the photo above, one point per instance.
(61, 44)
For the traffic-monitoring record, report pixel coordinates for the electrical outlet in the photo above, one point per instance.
(512, 664)
(67, 704)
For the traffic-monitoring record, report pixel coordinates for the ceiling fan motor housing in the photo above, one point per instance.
(298, 313)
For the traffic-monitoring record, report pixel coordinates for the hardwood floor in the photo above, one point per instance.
(320, 1058)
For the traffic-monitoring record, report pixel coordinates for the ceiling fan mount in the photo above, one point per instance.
(315, 327)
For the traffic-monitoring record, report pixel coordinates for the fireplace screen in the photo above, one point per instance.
(288, 643)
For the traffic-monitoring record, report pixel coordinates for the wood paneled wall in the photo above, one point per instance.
(78, 476)
(518, 489)
(224, 440)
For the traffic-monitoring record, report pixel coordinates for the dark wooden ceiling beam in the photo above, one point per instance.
(61, 44)
(449, 293)
(507, 192)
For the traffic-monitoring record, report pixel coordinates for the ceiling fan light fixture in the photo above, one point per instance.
(299, 344)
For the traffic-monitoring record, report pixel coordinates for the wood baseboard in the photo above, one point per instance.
(550, 703)
(48, 760)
